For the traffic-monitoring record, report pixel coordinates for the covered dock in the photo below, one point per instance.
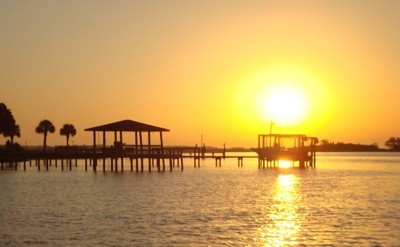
(291, 147)
(144, 143)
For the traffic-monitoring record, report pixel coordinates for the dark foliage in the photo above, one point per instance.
(393, 143)
(45, 127)
(68, 130)
(345, 147)
(8, 126)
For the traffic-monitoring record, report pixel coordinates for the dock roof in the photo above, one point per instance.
(288, 136)
(127, 126)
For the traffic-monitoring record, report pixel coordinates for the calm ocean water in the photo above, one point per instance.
(350, 199)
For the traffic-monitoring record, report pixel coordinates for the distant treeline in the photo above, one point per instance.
(10, 129)
(346, 147)
(393, 144)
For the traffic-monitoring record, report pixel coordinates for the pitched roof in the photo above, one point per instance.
(127, 125)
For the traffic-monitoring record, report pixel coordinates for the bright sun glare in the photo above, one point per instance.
(285, 104)
(284, 164)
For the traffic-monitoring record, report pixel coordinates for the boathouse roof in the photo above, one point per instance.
(300, 136)
(127, 126)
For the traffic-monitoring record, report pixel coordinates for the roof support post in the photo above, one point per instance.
(162, 150)
(161, 140)
(104, 151)
(136, 145)
(136, 142)
(94, 151)
(122, 151)
(141, 149)
(149, 148)
(94, 142)
(104, 142)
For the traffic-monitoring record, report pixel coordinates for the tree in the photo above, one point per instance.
(324, 142)
(44, 127)
(12, 132)
(68, 130)
(5, 117)
(8, 126)
(393, 143)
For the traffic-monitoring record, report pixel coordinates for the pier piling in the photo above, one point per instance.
(240, 161)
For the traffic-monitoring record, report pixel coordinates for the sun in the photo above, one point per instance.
(283, 103)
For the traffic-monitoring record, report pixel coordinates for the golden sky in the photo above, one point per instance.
(202, 67)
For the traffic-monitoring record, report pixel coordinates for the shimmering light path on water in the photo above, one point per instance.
(349, 199)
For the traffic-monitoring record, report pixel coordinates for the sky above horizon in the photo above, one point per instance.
(201, 68)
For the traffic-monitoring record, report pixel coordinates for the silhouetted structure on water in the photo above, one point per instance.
(141, 148)
(295, 148)
(145, 145)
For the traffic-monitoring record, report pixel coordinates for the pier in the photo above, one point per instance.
(217, 154)
(154, 159)
(145, 147)
(295, 148)
(158, 159)
(140, 148)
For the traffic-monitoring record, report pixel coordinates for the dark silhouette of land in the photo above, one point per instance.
(347, 147)
(392, 143)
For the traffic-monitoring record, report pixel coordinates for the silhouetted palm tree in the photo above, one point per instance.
(44, 127)
(68, 130)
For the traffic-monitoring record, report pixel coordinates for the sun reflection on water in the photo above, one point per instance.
(280, 221)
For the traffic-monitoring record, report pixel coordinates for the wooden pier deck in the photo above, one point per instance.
(155, 158)
(130, 157)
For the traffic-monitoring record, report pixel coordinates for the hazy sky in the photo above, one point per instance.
(198, 66)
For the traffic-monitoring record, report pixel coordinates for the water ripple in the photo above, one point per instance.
(203, 207)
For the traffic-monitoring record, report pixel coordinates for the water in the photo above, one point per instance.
(350, 199)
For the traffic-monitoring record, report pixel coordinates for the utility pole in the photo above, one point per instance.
(270, 127)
